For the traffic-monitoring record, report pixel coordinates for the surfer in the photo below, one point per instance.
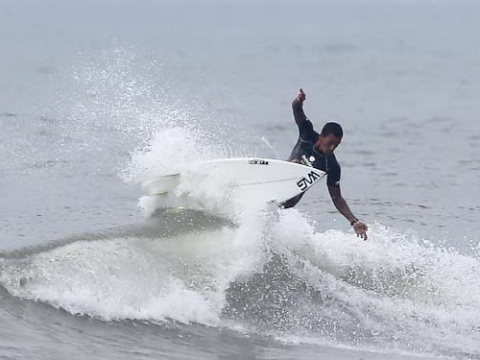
(317, 150)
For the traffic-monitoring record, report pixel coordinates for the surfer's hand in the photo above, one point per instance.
(301, 96)
(360, 229)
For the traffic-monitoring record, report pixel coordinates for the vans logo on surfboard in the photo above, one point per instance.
(305, 182)
(258, 162)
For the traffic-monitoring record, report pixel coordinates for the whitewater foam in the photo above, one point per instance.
(389, 289)
(273, 273)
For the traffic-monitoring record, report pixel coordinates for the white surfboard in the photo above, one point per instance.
(265, 180)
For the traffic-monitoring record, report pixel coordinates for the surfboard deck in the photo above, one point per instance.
(267, 180)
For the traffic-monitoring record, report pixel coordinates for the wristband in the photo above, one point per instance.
(354, 221)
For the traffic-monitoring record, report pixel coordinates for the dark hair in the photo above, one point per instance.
(332, 128)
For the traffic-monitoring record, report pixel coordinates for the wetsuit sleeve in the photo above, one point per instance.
(305, 127)
(334, 174)
(298, 113)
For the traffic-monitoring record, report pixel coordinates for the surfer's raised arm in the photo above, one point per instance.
(297, 107)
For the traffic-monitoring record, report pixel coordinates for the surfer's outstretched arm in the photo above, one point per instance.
(342, 206)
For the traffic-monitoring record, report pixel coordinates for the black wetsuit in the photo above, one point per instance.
(306, 146)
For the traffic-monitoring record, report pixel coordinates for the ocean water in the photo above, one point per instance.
(97, 96)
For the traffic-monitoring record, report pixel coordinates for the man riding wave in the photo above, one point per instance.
(317, 150)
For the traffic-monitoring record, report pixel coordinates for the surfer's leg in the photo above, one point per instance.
(292, 202)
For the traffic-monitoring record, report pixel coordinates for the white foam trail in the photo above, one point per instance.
(183, 278)
(397, 288)
(392, 290)
(135, 278)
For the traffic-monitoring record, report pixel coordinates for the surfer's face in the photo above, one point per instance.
(328, 144)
